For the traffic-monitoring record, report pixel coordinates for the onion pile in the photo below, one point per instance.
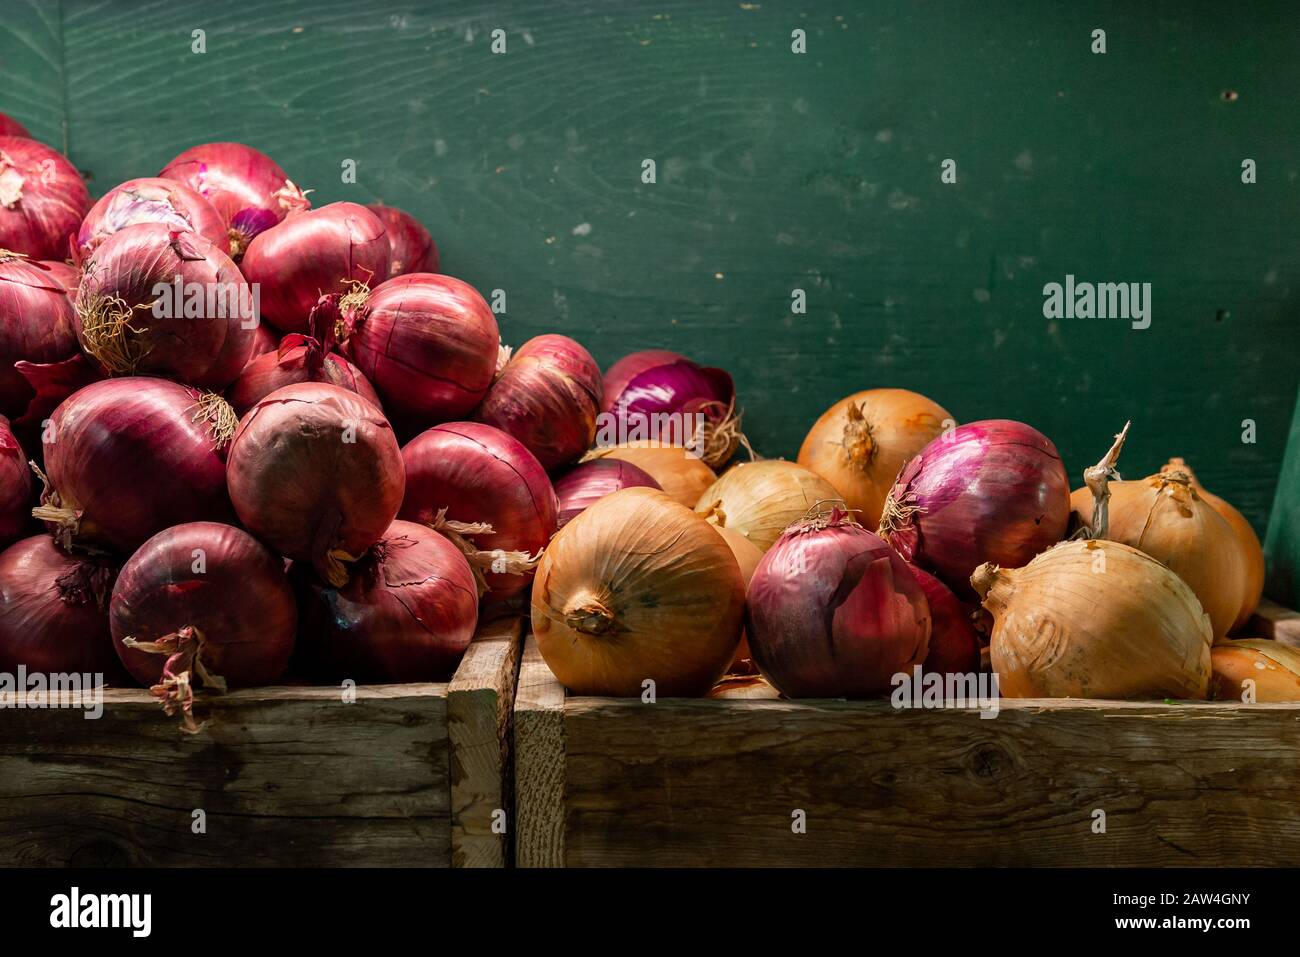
(412, 248)
(42, 199)
(15, 485)
(1254, 670)
(315, 472)
(151, 200)
(761, 499)
(585, 484)
(37, 326)
(547, 396)
(296, 359)
(676, 470)
(407, 613)
(992, 491)
(637, 589)
(860, 443)
(833, 612)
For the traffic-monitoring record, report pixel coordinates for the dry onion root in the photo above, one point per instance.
(1255, 670)
(761, 499)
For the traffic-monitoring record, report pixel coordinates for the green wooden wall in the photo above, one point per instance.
(779, 171)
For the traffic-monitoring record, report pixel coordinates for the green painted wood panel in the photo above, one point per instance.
(779, 171)
(1283, 542)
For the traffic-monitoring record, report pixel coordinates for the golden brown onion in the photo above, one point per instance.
(683, 476)
(760, 499)
(748, 555)
(1272, 666)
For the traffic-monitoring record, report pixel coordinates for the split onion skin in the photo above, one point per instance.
(954, 644)
(638, 588)
(1095, 619)
(15, 485)
(413, 249)
(585, 484)
(990, 491)
(834, 612)
(37, 326)
(296, 359)
(761, 499)
(1272, 667)
(547, 397)
(42, 199)
(861, 443)
(407, 613)
(682, 475)
(151, 200)
(240, 600)
(316, 472)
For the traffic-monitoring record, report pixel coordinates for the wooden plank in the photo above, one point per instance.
(709, 783)
(539, 763)
(1275, 621)
(479, 702)
(283, 776)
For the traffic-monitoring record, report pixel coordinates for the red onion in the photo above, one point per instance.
(265, 339)
(642, 387)
(160, 302)
(429, 344)
(151, 200)
(15, 485)
(130, 457)
(954, 646)
(202, 603)
(42, 199)
(51, 383)
(547, 396)
(833, 612)
(407, 614)
(588, 483)
(297, 359)
(469, 475)
(315, 253)
(37, 325)
(316, 473)
(54, 611)
(992, 491)
(412, 246)
(11, 127)
(247, 188)
(65, 274)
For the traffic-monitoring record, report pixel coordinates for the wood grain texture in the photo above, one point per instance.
(539, 763)
(1272, 620)
(479, 702)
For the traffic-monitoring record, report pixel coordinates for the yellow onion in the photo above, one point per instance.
(1272, 666)
(638, 588)
(748, 555)
(1252, 554)
(1164, 516)
(742, 687)
(1095, 619)
(679, 473)
(860, 443)
(760, 499)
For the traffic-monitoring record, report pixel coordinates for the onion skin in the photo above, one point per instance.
(547, 396)
(130, 459)
(240, 601)
(159, 335)
(481, 474)
(37, 325)
(1274, 668)
(15, 485)
(991, 491)
(412, 247)
(683, 476)
(428, 343)
(954, 645)
(11, 127)
(54, 611)
(761, 499)
(736, 687)
(584, 485)
(65, 274)
(1095, 619)
(314, 253)
(151, 200)
(861, 443)
(747, 556)
(297, 359)
(637, 588)
(42, 199)
(301, 486)
(833, 612)
(407, 613)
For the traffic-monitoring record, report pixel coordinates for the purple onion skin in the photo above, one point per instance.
(990, 491)
(646, 384)
(954, 646)
(588, 483)
(15, 485)
(834, 612)
(413, 248)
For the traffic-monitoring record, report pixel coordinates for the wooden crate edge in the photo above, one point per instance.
(539, 763)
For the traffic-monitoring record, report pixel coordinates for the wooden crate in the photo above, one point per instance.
(408, 775)
(615, 782)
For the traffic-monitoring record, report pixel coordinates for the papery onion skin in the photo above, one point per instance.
(481, 474)
(741, 687)
(219, 580)
(584, 485)
(427, 343)
(42, 199)
(314, 253)
(151, 200)
(761, 499)
(548, 397)
(15, 485)
(834, 612)
(679, 472)
(51, 383)
(11, 127)
(1272, 668)
(65, 274)
(407, 613)
(1095, 619)
(748, 555)
(413, 249)
(297, 359)
(134, 319)
(37, 325)
(990, 491)
(131, 457)
(954, 645)
(861, 442)
(316, 472)
(637, 588)
(54, 611)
